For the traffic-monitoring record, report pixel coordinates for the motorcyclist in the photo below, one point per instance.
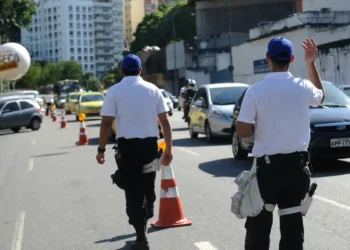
(182, 97)
(191, 91)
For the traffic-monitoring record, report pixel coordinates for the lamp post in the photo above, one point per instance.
(174, 37)
(230, 35)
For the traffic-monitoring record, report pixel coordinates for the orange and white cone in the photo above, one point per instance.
(171, 213)
(83, 139)
(63, 121)
(54, 117)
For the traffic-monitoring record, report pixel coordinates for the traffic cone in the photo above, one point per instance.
(83, 139)
(54, 118)
(171, 213)
(63, 121)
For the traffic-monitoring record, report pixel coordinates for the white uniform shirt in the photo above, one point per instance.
(279, 106)
(135, 104)
(183, 90)
(49, 98)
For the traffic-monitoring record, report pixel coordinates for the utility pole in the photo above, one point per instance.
(1, 87)
(230, 35)
(175, 70)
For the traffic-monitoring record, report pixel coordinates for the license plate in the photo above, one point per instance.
(341, 142)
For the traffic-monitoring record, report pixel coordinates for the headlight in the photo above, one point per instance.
(218, 114)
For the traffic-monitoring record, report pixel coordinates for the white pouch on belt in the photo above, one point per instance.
(155, 165)
(247, 202)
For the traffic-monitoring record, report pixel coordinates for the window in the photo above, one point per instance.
(334, 97)
(91, 58)
(78, 17)
(11, 107)
(84, 9)
(70, 17)
(92, 98)
(77, 9)
(70, 8)
(71, 42)
(226, 96)
(26, 105)
(71, 25)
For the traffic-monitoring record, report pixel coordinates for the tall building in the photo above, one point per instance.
(88, 31)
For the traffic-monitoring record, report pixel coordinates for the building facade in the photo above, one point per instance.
(86, 31)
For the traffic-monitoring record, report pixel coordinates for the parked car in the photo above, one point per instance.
(90, 104)
(346, 89)
(71, 102)
(211, 109)
(329, 127)
(168, 102)
(173, 99)
(32, 93)
(16, 113)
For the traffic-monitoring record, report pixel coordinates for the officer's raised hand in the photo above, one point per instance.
(311, 50)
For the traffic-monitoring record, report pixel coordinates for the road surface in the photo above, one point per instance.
(53, 195)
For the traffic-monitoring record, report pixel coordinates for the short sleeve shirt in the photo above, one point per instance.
(279, 108)
(135, 104)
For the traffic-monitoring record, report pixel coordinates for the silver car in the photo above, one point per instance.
(212, 108)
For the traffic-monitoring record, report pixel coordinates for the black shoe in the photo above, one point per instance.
(140, 245)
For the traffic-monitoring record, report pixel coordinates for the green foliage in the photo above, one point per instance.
(113, 77)
(93, 84)
(15, 14)
(40, 75)
(156, 29)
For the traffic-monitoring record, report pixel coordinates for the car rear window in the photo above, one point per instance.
(26, 105)
(92, 98)
(74, 97)
(226, 95)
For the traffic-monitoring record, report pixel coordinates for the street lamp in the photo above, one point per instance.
(230, 35)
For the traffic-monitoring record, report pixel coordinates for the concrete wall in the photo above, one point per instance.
(245, 54)
(335, 5)
(180, 55)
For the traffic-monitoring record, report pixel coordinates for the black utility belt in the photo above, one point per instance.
(304, 156)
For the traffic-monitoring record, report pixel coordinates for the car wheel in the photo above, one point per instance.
(16, 130)
(238, 152)
(208, 133)
(193, 135)
(35, 124)
(170, 113)
(179, 108)
(76, 118)
(68, 112)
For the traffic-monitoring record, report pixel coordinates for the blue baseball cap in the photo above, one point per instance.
(280, 49)
(131, 63)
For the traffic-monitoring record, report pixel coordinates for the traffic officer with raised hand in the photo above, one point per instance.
(276, 112)
(136, 105)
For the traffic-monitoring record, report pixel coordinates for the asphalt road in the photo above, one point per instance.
(53, 195)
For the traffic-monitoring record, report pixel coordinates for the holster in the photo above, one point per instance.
(117, 177)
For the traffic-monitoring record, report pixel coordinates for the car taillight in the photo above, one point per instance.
(39, 110)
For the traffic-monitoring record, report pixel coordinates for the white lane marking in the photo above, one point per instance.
(31, 164)
(33, 142)
(188, 151)
(18, 235)
(205, 245)
(334, 203)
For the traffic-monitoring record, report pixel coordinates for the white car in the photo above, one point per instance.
(168, 102)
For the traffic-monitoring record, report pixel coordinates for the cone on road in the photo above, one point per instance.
(54, 117)
(171, 213)
(63, 121)
(83, 138)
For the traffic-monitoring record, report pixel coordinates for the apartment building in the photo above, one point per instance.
(88, 31)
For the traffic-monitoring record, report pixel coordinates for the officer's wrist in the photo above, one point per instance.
(101, 150)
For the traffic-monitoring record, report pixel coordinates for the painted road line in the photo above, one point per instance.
(188, 151)
(30, 165)
(18, 235)
(205, 245)
(334, 203)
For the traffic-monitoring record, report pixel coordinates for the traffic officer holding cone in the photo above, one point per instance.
(276, 111)
(136, 105)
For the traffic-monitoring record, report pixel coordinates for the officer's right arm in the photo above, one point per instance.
(315, 95)
(162, 110)
(247, 115)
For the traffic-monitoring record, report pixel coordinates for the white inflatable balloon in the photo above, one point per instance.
(14, 61)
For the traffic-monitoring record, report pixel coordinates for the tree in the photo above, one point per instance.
(15, 14)
(32, 79)
(157, 28)
(93, 84)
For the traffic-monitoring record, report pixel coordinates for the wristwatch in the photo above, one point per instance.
(101, 150)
